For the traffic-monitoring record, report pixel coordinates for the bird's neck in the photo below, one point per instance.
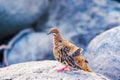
(57, 38)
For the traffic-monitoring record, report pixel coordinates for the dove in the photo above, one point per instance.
(67, 53)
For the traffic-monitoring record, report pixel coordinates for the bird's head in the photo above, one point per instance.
(54, 31)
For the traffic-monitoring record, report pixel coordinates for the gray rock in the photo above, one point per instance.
(45, 70)
(18, 14)
(103, 53)
(29, 46)
(82, 20)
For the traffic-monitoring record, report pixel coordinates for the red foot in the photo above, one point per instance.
(64, 69)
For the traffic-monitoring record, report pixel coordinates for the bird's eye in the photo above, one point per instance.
(60, 41)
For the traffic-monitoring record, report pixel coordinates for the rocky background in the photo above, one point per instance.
(24, 25)
(45, 70)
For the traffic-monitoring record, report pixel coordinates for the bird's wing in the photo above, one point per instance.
(81, 61)
(71, 47)
(68, 60)
(77, 52)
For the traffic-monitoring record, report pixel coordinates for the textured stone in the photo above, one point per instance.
(103, 53)
(29, 46)
(18, 14)
(82, 20)
(45, 70)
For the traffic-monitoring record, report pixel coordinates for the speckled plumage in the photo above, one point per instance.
(67, 53)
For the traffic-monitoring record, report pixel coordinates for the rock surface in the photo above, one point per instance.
(103, 53)
(19, 14)
(45, 70)
(29, 46)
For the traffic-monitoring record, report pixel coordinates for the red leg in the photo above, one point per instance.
(64, 68)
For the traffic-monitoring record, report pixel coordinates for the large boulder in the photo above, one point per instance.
(45, 70)
(103, 53)
(18, 14)
(29, 45)
(82, 20)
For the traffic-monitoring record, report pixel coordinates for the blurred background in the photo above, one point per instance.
(24, 25)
